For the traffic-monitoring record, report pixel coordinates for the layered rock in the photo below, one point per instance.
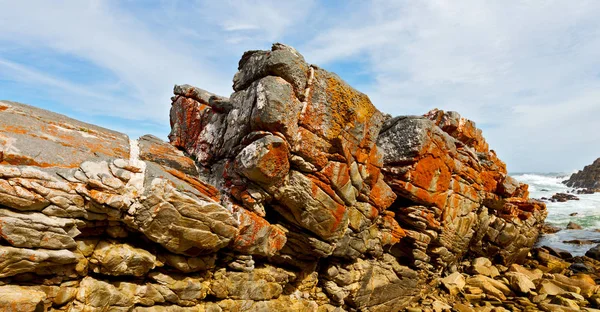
(295, 193)
(454, 196)
(588, 178)
(549, 280)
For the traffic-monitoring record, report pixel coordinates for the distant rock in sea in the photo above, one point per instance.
(588, 178)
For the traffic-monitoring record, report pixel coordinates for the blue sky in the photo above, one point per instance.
(527, 72)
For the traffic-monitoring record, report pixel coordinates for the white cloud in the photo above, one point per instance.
(515, 68)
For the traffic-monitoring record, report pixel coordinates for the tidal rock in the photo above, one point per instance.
(594, 252)
(573, 226)
(562, 197)
(588, 178)
(550, 229)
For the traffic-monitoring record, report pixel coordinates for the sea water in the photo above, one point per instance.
(586, 211)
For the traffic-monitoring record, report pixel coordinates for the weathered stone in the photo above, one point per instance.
(381, 285)
(594, 252)
(519, 282)
(155, 150)
(14, 261)
(181, 223)
(121, 259)
(454, 282)
(21, 299)
(442, 162)
(484, 266)
(31, 136)
(256, 236)
(35, 230)
(490, 286)
(260, 284)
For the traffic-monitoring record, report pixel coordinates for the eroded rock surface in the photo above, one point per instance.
(293, 194)
(454, 196)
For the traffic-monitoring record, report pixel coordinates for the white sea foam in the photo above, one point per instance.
(587, 211)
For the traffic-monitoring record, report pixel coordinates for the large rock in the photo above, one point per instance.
(294, 193)
(588, 178)
(454, 194)
(294, 142)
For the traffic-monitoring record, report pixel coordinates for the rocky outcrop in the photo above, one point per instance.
(588, 178)
(455, 197)
(293, 194)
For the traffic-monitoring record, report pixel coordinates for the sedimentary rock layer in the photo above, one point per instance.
(293, 194)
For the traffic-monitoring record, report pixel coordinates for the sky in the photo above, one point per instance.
(527, 72)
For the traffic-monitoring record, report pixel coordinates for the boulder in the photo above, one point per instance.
(594, 252)
(588, 178)
(573, 226)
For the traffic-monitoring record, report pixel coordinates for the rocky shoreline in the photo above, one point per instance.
(549, 280)
(293, 194)
(588, 179)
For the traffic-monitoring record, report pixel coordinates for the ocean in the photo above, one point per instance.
(586, 210)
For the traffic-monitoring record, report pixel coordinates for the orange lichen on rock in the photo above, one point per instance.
(202, 187)
(442, 162)
(256, 235)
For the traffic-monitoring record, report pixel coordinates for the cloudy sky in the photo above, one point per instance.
(528, 72)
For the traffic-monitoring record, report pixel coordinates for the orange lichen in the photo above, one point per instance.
(21, 160)
(431, 174)
(202, 187)
(251, 232)
(274, 164)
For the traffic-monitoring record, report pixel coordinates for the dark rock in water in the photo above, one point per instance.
(562, 197)
(594, 252)
(588, 178)
(557, 252)
(573, 226)
(581, 242)
(573, 214)
(550, 229)
(544, 190)
(585, 191)
(581, 268)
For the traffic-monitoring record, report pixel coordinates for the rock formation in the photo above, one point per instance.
(588, 178)
(293, 194)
